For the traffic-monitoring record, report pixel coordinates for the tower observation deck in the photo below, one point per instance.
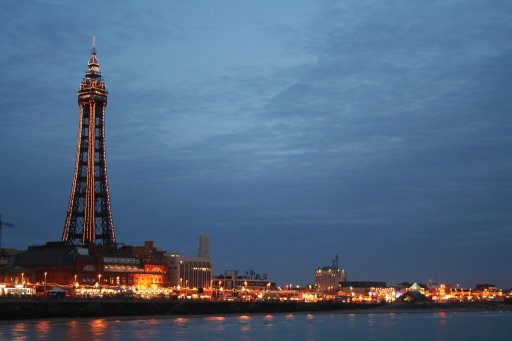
(89, 215)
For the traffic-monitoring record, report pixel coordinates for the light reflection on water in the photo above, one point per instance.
(443, 326)
(98, 328)
(268, 322)
(181, 320)
(217, 323)
(245, 323)
(297, 326)
(43, 328)
(72, 329)
(216, 318)
(20, 330)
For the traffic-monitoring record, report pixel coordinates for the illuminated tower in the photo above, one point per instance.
(89, 216)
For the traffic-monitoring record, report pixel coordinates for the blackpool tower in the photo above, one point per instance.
(89, 216)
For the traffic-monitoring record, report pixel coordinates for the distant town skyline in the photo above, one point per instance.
(288, 132)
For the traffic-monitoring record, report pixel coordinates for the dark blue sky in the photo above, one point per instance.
(287, 131)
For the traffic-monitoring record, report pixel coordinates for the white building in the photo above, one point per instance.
(328, 278)
(192, 272)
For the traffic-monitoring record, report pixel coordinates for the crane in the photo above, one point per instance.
(2, 225)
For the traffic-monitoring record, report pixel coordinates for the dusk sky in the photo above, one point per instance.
(287, 131)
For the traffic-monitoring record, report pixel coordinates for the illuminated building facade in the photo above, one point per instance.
(89, 215)
(249, 280)
(368, 291)
(191, 272)
(195, 272)
(329, 278)
(58, 263)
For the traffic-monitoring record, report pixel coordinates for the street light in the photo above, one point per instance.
(99, 279)
(75, 279)
(218, 289)
(22, 278)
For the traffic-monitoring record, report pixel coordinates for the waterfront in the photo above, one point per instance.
(296, 326)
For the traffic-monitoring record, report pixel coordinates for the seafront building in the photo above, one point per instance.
(249, 280)
(59, 263)
(328, 279)
(369, 290)
(191, 272)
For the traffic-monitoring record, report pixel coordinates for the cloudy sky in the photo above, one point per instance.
(288, 131)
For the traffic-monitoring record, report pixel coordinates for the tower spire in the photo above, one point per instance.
(93, 51)
(93, 64)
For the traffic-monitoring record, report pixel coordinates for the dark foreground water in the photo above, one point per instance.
(298, 326)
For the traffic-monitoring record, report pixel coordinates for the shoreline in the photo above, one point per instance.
(23, 309)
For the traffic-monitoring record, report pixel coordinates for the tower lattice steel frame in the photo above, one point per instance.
(89, 216)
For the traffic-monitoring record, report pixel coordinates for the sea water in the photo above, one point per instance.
(293, 326)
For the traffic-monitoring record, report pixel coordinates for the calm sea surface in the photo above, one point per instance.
(298, 326)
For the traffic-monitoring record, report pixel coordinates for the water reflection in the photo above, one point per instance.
(216, 318)
(267, 321)
(442, 320)
(43, 328)
(181, 320)
(282, 327)
(245, 320)
(218, 322)
(371, 324)
(19, 331)
(443, 326)
(387, 322)
(311, 332)
(352, 320)
(72, 330)
(98, 328)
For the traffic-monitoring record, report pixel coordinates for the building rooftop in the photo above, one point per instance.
(52, 253)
